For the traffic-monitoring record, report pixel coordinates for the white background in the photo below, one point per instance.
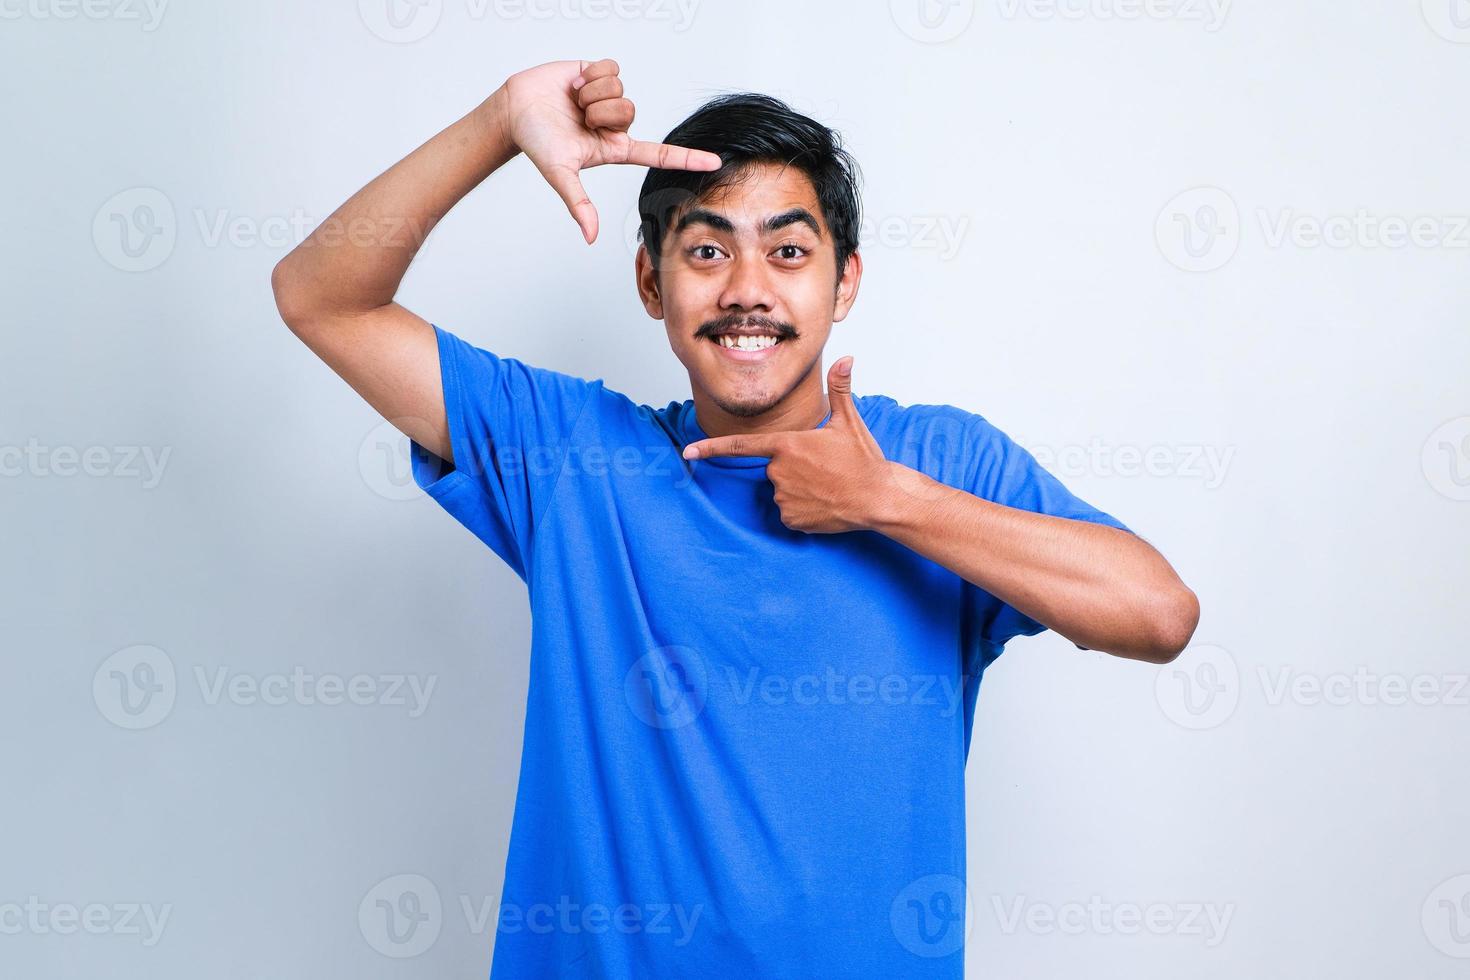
(1139, 238)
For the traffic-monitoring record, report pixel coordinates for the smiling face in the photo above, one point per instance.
(748, 292)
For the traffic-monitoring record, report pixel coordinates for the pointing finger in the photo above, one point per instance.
(666, 156)
(738, 445)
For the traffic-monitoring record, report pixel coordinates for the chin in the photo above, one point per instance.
(745, 409)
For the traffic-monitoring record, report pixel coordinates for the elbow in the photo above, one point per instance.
(1172, 622)
(290, 296)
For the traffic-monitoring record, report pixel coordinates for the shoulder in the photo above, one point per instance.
(949, 443)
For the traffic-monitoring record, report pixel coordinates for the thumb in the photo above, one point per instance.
(568, 186)
(839, 390)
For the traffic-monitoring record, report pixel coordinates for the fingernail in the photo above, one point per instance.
(578, 82)
(845, 368)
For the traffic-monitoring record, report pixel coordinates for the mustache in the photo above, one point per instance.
(730, 321)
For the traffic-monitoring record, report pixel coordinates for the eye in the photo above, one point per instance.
(697, 251)
(801, 251)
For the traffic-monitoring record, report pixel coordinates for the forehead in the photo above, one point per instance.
(763, 191)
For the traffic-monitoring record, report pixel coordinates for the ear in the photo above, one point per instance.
(645, 278)
(847, 286)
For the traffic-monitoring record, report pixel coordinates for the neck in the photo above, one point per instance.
(803, 408)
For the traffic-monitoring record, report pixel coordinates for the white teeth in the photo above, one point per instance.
(747, 343)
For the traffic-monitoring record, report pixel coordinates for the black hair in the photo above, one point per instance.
(747, 128)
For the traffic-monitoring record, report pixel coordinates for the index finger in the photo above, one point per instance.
(738, 445)
(666, 156)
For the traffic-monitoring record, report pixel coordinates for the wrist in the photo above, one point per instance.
(902, 499)
(493, 118)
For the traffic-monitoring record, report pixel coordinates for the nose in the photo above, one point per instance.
(748, 287)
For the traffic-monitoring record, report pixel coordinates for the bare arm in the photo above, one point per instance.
(336, 289)
(1100, 587)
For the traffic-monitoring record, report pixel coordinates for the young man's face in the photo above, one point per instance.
(753, 257)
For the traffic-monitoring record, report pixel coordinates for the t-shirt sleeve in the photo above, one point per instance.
(509, 428)
(1006, 473)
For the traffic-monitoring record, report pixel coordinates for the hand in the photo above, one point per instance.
(567, 116)
(827, 480)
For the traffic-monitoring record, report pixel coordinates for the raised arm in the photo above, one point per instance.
(336, 289)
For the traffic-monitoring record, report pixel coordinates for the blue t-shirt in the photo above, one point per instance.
(744, 745)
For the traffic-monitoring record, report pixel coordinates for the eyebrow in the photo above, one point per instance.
(772, 224)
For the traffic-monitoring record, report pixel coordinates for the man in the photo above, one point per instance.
(759, 616)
